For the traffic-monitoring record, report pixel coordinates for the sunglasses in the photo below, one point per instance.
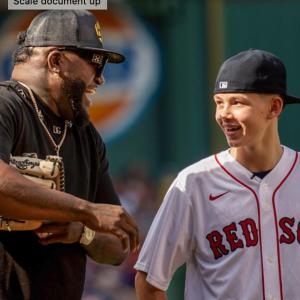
(91, 57)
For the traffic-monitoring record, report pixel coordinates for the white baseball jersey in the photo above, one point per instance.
(238, 234)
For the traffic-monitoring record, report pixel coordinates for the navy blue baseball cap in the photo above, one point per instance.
(254, 71)
(77, 29)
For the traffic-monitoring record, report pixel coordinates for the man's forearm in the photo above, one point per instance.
(21, 198)
(107, 249)
(146, 291)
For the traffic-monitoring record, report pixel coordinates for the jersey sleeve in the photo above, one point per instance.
(9, 114)
(169, 243)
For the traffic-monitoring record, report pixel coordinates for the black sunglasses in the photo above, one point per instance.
(91, 57)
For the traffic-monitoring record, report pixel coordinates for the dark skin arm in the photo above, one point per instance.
(20, 198)
(146, 291)
(105, 248)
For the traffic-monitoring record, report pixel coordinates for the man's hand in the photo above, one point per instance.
(67, 233)
(105, 248)
(113, 219)
(24, 199)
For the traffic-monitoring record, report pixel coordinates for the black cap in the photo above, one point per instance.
(69, 28)
(254, 71)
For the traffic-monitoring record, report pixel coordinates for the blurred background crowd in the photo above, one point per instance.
(155, 111)
(141, 195)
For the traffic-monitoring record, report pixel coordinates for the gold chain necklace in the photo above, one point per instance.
(41, 119)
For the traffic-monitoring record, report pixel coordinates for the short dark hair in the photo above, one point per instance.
(21, 55)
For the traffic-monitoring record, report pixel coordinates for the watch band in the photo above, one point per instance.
(87, 236)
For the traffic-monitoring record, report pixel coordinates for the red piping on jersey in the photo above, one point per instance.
(276, 225)
(258, 209)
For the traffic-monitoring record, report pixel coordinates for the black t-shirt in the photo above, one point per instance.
(29, 270)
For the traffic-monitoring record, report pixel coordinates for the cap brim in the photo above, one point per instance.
(287, 98)
(113, 57)
(291, 99)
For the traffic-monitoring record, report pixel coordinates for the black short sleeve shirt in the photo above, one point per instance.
(29, 270)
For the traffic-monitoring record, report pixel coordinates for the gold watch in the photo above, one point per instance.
(87, 236)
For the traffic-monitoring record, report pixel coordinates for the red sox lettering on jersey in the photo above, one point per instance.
(250, 233)
(239, 235)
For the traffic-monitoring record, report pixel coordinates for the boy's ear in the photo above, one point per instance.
(275, 107)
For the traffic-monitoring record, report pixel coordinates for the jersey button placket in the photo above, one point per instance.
(269, 244)
(265, 203)
(270, 260)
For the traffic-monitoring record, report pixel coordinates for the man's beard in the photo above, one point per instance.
(71, 102)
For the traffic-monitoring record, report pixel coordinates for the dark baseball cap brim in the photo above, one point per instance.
(254, 71)
(288, 99)
(113, 57)
(68, 28)
(291, 99)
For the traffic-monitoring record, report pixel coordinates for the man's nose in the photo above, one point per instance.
(100, 80)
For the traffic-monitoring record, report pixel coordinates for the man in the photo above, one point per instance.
(43, 111)
(233, 218)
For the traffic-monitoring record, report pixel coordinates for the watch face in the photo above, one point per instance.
(89, 234)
